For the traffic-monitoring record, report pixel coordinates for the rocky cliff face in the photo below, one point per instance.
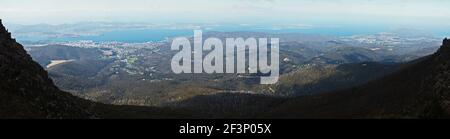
(26, 91)
(440, 78)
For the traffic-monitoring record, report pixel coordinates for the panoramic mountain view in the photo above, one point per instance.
(224, 59)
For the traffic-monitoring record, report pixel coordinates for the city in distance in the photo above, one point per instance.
(330, 59)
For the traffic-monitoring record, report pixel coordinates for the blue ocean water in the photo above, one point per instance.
(132, 36)
(147, 35)
(332, 31)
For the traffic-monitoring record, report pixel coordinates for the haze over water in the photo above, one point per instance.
(325, 17)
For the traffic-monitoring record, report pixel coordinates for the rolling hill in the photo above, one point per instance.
(418, 89)
(26, 91)
(421, 89)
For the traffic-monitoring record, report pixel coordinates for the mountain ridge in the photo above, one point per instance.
(26, 91)
(419, 90)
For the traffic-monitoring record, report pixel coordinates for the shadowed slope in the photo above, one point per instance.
(420, 90)
(26, 91)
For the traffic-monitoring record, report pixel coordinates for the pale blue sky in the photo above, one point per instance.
(399, 12)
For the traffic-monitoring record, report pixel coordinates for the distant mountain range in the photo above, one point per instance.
(417, 89)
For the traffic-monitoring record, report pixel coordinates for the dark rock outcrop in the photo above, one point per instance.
(26, 91)
(446, 42)
(440, 78)
(444, 51)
